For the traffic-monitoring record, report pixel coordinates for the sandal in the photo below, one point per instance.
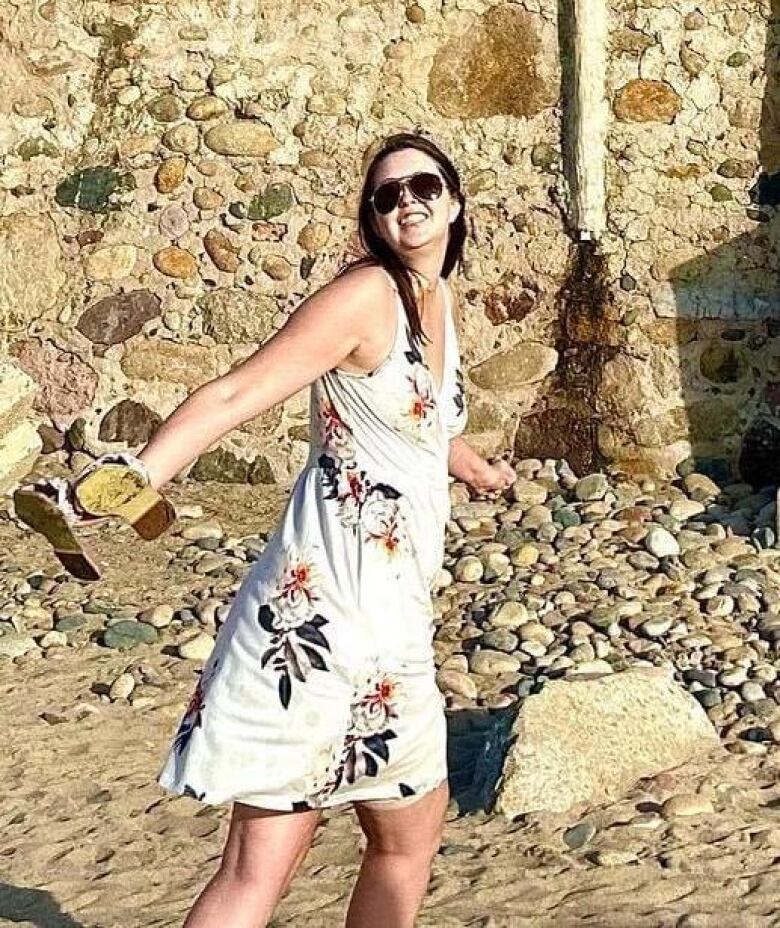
(46, 509)
(118, 485)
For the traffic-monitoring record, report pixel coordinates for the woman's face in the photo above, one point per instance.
(413, 224)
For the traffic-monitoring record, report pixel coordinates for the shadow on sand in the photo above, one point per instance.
(477, 743)
(32, 906)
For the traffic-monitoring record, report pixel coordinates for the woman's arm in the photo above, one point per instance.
(317, 337)
(484, 477)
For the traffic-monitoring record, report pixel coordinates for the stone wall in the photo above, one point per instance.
(693, 245)
(177, 177)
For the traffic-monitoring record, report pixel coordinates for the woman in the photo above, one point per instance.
(320, 689)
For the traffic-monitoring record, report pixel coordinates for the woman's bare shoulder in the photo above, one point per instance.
(361, 281)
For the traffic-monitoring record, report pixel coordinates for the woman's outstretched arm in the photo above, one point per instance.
(317, 337)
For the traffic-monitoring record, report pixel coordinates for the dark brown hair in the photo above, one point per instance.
(377, 249)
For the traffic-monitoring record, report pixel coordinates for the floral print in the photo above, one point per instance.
(363, 504)
(296, 642)
(373, 712)
(460, 392)
(420, 407)
(193, 715)
(336, 434)
(321, 689)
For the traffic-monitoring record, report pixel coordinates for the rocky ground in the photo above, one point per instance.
(563, 577)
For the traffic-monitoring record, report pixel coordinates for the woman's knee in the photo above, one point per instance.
(413, 831)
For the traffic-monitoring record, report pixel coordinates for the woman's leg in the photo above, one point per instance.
(263, 850)
(402, 842)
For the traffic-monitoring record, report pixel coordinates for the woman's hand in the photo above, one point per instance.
(490, 480)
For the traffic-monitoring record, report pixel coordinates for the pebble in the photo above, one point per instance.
(527, 493)
(197, 648)
(202, 530)
(660, 542)
(685, 804)
(655, 628)
(592, 487)
(614, 857)
(488, 662)
(15, 644)
(127, 634)
(525, 555)
(173, 222)
(509, 615)
(159, 617)
(469, 569)
(175, 262)
(54, 639)
(579, 835)
(458, 682)
(122, 686)
(595, 667)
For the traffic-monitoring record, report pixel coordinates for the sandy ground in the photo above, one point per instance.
(88, 840)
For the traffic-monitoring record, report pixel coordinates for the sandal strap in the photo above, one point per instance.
(60, 492)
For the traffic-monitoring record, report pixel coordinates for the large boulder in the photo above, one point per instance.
(19, 450)
(20, 443)
(589, 741)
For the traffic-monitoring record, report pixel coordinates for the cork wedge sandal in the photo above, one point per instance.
(44, 508)
(116, 488)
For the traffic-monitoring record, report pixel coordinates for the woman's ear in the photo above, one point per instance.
(455, 208)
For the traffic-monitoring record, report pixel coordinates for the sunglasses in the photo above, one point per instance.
(424, 185)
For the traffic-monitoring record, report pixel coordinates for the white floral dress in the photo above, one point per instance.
(320, 689)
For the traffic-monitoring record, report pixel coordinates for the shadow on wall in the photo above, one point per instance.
(32, 906)
(733, 294)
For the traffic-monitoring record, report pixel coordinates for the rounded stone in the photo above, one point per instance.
(110, 263)
(579, 835)
(223, 253)
(527, 493)
(647, 101)
(175, 262)
(525, 555)
(313, 237)
(656, 627)
(158, 617)
(165, 108)
(206, 107)
(469, 569)
(732, 678)
(202, 530)
(500, 639)
(127, 633)
(15, 644)
(535, 631)
(174, 222)
(241, 138)
(170, 174)
(591, 487)
(488, 663)
(183, 138)
(198, 648)
(54, 639)
(457, 682)
(509, 615)
(277, 267)
(660, 542)
(207, 199)
(723, 364)
(685, 804)
(122, 687)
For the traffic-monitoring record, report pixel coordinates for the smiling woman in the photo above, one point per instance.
(321, 687)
